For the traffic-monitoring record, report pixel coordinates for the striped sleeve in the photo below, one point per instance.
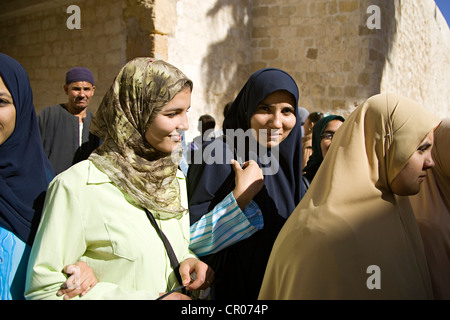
(225, 225)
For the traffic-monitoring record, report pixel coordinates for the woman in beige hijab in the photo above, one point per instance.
(432, 210)
(352, 236)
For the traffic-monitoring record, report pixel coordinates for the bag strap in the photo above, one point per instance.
(172, 257)
(306, 182)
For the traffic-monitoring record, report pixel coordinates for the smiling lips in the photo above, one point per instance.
(176, 138)
(273, 136)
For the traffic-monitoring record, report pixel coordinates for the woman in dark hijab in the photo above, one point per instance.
(25, 173)
(323, 133)
(262, 125)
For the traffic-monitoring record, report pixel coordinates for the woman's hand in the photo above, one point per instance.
(81, 280)
(202, 279)
(249, 181)
(204, 274)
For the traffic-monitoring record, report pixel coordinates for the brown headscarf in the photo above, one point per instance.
(144, 174)
(432, 209)
(350, 221)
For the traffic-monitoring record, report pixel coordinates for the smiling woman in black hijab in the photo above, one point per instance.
(267, 104)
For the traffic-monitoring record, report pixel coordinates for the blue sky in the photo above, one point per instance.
(444, 6)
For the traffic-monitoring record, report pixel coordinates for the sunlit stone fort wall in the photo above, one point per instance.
(340, 52)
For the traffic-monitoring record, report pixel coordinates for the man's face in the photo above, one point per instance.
(79, 94)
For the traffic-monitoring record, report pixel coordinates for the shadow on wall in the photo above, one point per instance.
(139, 29)
(226, 67)
(380, 41)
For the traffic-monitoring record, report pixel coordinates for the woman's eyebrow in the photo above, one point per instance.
(273, 105)
(426, 145)
(4, 93)
(175, 108)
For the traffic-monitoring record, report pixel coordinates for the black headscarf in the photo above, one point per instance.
(239, 269)
(284, 188)
(25, 171)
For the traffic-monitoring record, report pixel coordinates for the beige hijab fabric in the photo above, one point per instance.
(145, 175)
(432, 209)
(350, 230)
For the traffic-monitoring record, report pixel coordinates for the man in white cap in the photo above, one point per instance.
(64, 127)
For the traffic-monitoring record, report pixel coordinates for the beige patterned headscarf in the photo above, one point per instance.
(145, 175)
(350, 221)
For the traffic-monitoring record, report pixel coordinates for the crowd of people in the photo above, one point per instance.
(279, 203)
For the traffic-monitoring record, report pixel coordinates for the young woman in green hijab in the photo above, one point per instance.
(323, 133)
(98, 211)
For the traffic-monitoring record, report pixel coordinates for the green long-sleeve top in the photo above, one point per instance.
(87, 218)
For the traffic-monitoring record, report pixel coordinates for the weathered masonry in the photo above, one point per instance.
(339, 51)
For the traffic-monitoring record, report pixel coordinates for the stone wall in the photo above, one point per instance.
(418, 65)
(335, 58)
(326, 45)
(211, 44)
(35, 33)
